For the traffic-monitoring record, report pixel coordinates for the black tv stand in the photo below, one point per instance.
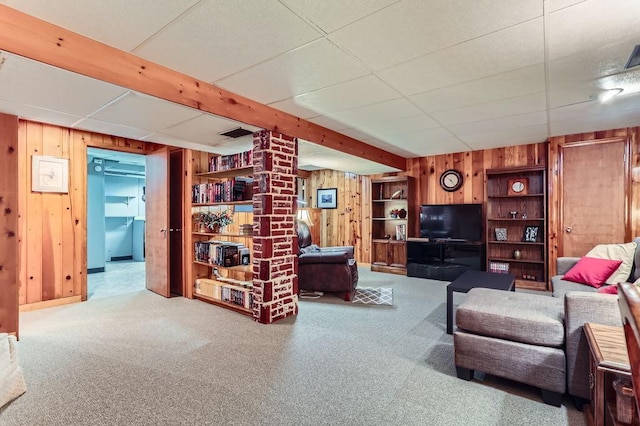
(443, 259)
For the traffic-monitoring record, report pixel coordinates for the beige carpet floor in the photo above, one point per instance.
(140, 359)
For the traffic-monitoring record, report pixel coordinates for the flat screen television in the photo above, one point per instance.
(451, 222)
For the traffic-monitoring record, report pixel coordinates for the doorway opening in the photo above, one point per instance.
(115, 222)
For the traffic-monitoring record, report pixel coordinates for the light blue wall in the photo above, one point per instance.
(95, 219)
(123, 202)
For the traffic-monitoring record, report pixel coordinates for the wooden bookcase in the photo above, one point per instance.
(530, 207)
(214, 290)
(389, 232)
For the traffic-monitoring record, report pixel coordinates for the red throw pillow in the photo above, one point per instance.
(609, 289)
(592, 271)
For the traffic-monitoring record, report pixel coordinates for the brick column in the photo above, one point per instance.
(275, 242)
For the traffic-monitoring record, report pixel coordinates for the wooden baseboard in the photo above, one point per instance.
(50, 303)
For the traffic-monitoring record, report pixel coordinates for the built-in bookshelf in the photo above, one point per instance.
(517, 224)
(222, 268)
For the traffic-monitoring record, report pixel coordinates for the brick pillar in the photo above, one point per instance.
(275, 264)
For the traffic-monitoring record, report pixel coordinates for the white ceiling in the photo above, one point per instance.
(413, 77)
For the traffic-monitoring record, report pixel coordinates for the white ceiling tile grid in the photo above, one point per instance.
(413, 77)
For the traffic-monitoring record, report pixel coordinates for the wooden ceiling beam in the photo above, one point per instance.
(32, 38)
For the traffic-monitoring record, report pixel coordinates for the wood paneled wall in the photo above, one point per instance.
(350, 223)
(9, 234)
(52, 226)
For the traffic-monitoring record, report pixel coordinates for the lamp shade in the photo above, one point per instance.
(303, 216)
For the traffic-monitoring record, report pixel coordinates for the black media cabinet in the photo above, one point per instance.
(443, 260)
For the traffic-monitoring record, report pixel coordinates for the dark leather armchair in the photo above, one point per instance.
(327, 269)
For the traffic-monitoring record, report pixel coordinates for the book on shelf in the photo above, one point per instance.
(232, 161)
(222, 253)
(235, 189)
(499, 267)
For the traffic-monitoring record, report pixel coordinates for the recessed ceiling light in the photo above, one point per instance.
(606, 95)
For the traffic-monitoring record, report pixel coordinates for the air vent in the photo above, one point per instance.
(236, 133)
(634, 59)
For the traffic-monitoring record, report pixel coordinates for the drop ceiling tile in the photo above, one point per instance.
(618, 105)
(351, 94)
(218, 38)
(594, 24)
(369, 114)
(171, 141)
(33, 83)
(387, 129)
(590, 65)
(329, 15)
(123, 24)
(144, 112)
(443, 145)
(503, 123)
(204, 129)
(555, 5)
(507, 137)
(628, 118)
(523, 81)
(428, 26)
(311, 67)
(506, 50)
(114, 129)
(41, 115)
(496, 109)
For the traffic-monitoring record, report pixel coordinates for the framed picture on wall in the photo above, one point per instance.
(328, 198)
(49, 174)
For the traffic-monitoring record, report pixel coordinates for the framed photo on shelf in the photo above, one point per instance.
(501, 234)
(328, 198)
(530, 234)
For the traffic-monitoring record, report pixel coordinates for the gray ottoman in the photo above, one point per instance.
(518, 336)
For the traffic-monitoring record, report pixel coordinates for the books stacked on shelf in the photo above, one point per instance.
(236, 189)
(499, 267)
(246, 229)
(227, 290)
(233, 161)
(223, 253)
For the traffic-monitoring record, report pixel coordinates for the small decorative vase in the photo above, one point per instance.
(517, 254)
(394, 216)
(215, 229)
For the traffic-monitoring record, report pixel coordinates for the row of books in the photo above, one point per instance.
(223, 253)
(499, 267)
(232, 161)
(240, 294)
(237, 189)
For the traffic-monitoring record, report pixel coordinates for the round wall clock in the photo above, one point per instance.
(451, 180)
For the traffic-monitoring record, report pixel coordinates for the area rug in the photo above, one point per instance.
(373, 296)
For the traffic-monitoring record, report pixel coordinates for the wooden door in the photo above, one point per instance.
(593, 195)
(157, 222)
(380, 252)
(398, 254)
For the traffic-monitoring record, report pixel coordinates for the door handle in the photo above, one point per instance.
(568, 229)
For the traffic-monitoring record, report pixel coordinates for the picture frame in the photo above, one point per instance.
(327, 198)
(530, 234)
(49, 174)
(501, 234)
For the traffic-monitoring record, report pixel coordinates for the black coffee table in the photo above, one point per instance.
(473, 279)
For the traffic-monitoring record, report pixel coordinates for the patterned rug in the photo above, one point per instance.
(373, 296)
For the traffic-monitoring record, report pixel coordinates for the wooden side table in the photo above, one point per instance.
(608, 361)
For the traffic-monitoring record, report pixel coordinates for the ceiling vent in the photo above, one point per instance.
(236, 133)
(634, 59)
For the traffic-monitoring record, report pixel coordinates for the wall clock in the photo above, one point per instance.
(518, 186)
(451, 180)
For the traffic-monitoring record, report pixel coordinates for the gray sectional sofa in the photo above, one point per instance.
(532, 338)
